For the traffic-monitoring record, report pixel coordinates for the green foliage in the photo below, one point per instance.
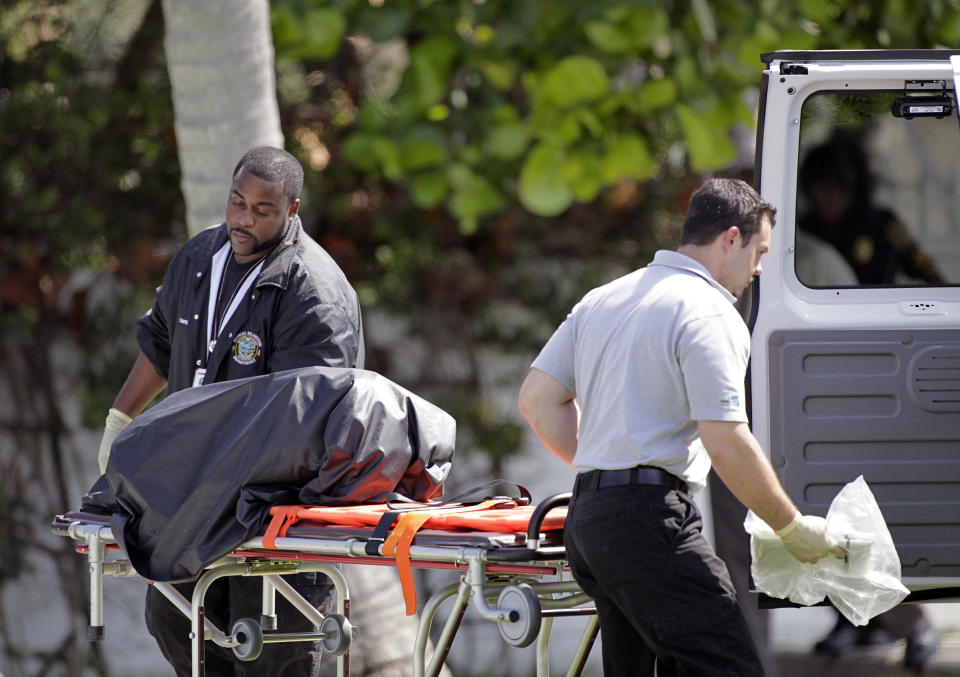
(302, 31)
(470, 141)
(90, 177)
(666, 76)
(449, 146)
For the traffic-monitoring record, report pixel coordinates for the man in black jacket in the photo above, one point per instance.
(252, 296)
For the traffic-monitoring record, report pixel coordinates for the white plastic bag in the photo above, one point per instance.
(864, 584)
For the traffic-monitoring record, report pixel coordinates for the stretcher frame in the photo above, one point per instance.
(520, 588)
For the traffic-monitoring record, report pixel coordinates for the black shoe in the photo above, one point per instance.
(840, 640)
(846, 636)
(873, 635)
(921, 646)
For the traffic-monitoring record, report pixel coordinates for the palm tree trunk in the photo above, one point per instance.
(220, 60)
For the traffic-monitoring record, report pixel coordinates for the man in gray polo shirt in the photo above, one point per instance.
(641, 389)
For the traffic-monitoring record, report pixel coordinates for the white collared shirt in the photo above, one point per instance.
(647, 356)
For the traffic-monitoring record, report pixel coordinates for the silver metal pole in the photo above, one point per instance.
(449, 630)
(268, 613)
(95, 551)
(583, 649)
(426, 622)
(543, 648)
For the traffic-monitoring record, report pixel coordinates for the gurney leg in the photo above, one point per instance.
(449, 629)
(307, 609)
(543, 648)
(295, 598)
(268, 616)
(196, 613)
(583, 649)
(203, 584)
(426, 622)
(211, 631)
(95, 553)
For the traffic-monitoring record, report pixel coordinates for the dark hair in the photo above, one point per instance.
(276, 166)
(839, 162)
(721, 203)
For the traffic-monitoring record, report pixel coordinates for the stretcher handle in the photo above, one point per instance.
(536, 519)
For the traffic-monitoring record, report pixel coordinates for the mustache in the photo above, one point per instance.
(258, 246)
(242, 231)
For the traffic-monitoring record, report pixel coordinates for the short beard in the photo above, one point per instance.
(267, 244)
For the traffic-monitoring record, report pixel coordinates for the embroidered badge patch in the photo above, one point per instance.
(246, 347)
(732, 402)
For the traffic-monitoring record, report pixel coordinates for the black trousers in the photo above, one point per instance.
(664, 599)
(228, 600)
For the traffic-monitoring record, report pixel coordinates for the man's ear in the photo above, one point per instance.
(294, 207)
(730, 237)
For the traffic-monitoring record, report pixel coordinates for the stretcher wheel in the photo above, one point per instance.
(338, 633)
(523, 625)
(249, 636)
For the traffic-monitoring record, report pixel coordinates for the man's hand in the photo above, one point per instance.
(116, 421)
(806, 538)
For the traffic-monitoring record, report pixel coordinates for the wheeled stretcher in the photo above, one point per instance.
(509, 554)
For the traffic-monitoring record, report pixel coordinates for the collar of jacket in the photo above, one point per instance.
(276, 269)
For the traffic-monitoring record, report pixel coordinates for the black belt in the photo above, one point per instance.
(640, 474)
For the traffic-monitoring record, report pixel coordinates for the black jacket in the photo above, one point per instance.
(301, 311)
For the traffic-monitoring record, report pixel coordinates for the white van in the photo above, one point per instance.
(856, 319)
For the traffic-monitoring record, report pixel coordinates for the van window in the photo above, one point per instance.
(878, 196)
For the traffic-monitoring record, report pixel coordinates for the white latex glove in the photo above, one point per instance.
(806, 538)
(116, 421)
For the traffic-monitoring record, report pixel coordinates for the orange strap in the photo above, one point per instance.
(398, 545)
(401, 538)
(284, 516)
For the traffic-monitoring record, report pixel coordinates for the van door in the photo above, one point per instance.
(856, 322)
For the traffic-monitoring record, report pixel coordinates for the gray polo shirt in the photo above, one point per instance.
(647, 356)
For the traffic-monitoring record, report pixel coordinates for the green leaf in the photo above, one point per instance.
(285, 28)
(382, 23)
(948, 31)
(581, 171)
(797, 38)
(499, 73)
(358, 151)
(508, 140)
(655, 95)
(372, 152)
(423, 147)
(689, 76)
(607, 37)
(321, 31)
(589, 121)
(556, 128)
(429, 189)
(429, 70)
(542, 190)
(505, 113)
(815, 10)
(646, 24)
(370, 116)
(388, 154)
(627, 157)
(703, 14)
(708, 145)
(574, 80)
(472, 197)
